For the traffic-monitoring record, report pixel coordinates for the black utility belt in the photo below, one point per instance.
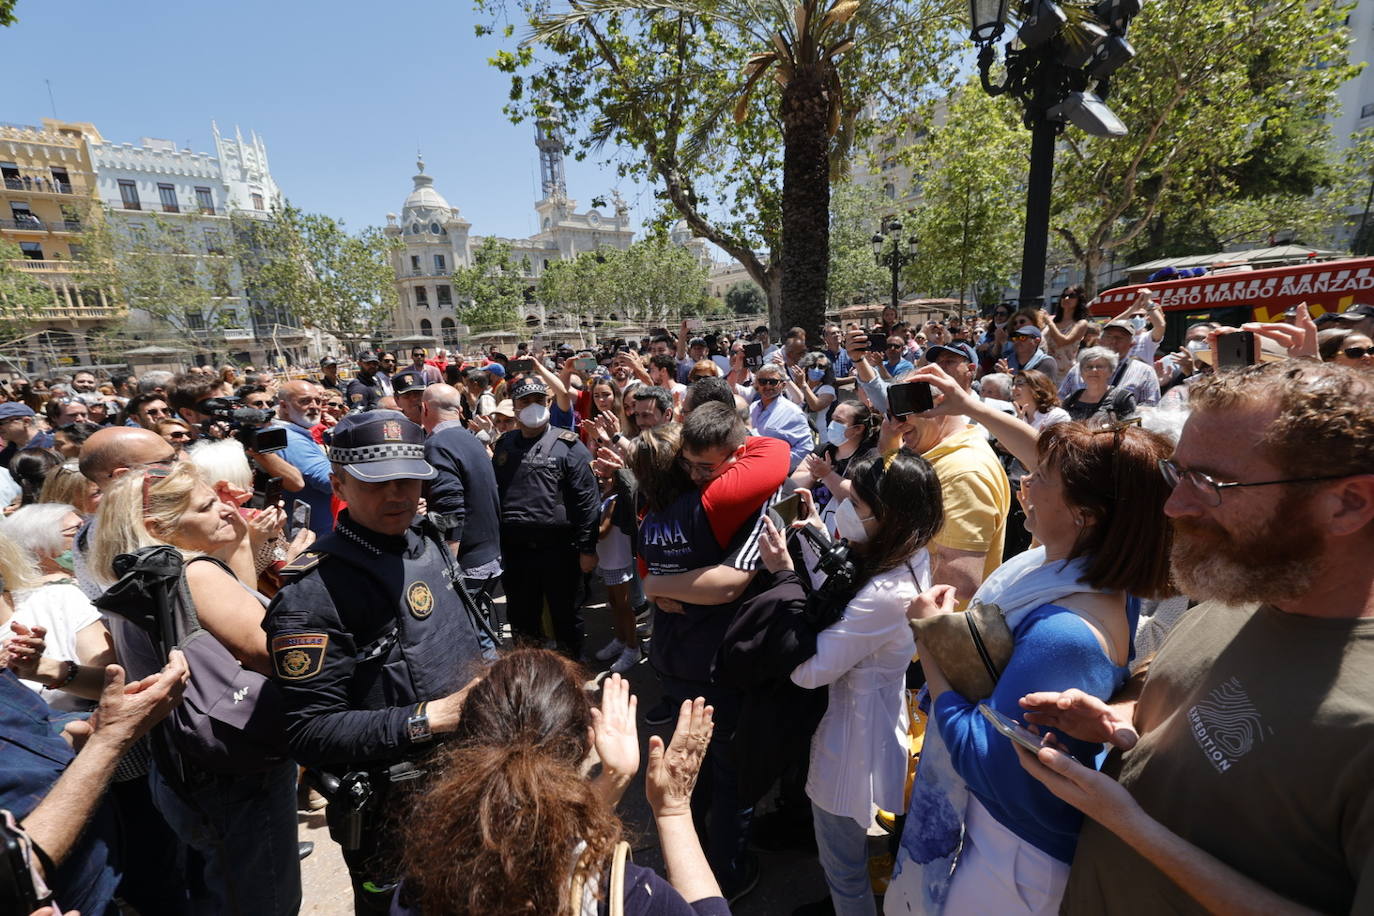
(537, 537)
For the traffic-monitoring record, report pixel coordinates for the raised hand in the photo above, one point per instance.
(614, 733)
(673, 771)
(773, 548)
(952, 399)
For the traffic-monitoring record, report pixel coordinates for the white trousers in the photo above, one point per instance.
(1001, 874)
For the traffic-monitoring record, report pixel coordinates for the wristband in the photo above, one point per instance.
(73, 669)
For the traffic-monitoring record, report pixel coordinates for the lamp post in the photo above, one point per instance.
(1059, 71)
(887, 251)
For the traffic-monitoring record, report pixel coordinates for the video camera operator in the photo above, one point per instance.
(207, 405)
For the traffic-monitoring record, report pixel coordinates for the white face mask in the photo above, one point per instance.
(534, 415)
(836, 432)
(849, 524)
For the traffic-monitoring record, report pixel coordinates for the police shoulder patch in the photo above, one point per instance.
(299, 656)
(303, 563)
(356, 398)
(568, 435)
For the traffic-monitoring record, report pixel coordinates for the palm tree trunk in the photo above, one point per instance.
(805, 204)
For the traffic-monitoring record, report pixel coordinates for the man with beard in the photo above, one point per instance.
(1243, 764)
(301, 404)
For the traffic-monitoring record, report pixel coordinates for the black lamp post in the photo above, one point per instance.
(887, 251)
(1058, 70)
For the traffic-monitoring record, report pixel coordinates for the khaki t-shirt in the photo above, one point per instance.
(1257, 745)
(976, 496)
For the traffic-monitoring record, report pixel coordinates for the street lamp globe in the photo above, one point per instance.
(986, 19)
(877, 245)
(911, 246)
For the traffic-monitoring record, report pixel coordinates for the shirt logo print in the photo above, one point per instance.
(1226, 725)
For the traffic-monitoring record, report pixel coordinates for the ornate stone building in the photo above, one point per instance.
(435, 241)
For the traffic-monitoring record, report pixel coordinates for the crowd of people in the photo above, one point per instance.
(1076, 624)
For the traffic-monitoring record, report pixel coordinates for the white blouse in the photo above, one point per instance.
(859, 751)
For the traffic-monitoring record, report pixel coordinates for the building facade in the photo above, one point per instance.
(185, 203)
(48, 198)
(435, 240)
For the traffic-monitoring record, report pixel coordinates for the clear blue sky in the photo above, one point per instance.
(341, 92)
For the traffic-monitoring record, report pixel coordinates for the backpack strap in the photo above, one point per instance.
(615, 899)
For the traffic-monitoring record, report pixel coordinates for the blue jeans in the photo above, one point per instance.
(244, 829)
(842, 846)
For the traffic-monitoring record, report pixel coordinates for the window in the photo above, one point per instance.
(205, 200)
(195, 321)
(445, 296)
(434, 228)
(168, 194)
(415, 264)
(426, 327)
(257, 202)
(61, 182)
(1367, 111)
(230, 318)
(10, 172)
(422, 296)
(23, 217)
(449, 330)
(128, 194)
(440, 265)
(890, 191)
(32, 250)
(213, 244)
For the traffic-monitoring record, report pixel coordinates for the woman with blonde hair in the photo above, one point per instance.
(242, 825)
(65, 484)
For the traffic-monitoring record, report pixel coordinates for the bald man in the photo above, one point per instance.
(301, 405)
(464, 492)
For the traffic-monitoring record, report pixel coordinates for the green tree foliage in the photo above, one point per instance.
(1220, 92)
(495, 287)
(745, 298)
(670, 82)
(23, 296)
(330, 278)
(856, 211)
(170, 268)
(652, 280)
(971, 215)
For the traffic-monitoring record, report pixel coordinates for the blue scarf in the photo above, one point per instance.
(934, 831)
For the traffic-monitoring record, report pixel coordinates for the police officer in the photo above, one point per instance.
(371, 646)
(549, 518)
(408, 388)
(365, 390)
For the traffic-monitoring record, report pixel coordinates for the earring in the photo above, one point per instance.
(1078, 521)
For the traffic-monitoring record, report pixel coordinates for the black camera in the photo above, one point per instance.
(252, 426)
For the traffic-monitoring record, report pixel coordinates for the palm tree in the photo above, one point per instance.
(802, 49)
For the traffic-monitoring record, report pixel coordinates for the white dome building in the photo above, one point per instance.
(435, 242)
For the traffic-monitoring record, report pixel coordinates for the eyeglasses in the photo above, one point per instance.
(1358, 352)
(156, 411)
(767, 382)
(1211, 488)
(700, 469)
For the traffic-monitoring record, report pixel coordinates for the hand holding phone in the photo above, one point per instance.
(1235, 350)
(520, 366)
(1010, 728)
(909, 398)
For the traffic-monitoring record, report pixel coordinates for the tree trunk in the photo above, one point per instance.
(1091, 263)
(805, 261)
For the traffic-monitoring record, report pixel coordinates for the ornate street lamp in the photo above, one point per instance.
(887, 251)
(1058, 68)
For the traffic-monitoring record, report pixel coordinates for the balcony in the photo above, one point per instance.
(37, 225)
(39, 184)
(435, 272)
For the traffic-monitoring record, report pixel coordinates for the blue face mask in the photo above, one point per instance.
(835, 433)
(815, 374)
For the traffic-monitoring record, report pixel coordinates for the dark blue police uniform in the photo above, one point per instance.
(550, 514)
(368, 628)
(365, 389)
